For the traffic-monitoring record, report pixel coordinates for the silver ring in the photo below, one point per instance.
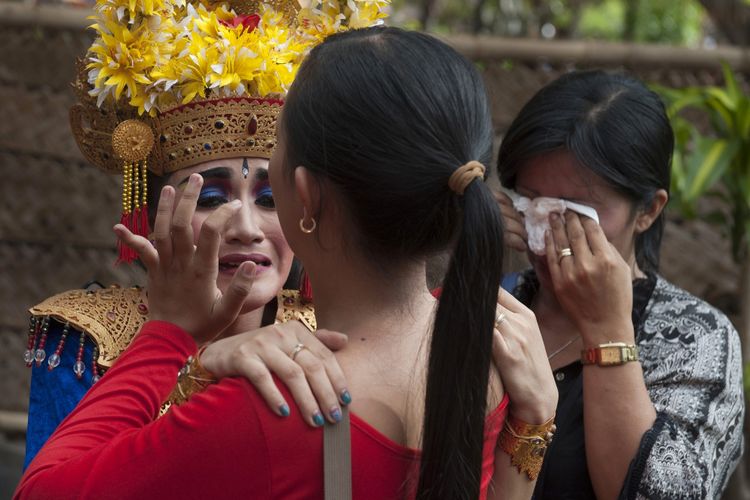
(499, 319)
(297, 350)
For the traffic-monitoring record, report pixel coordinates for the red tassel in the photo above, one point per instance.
(145, 229)
(305, 288)
(124, 251)
(135, 210)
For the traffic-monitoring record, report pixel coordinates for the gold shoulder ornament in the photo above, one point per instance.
(110, 317)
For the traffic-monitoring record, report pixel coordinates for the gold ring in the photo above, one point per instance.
(297, 350)
(565, 252)
(499, 320)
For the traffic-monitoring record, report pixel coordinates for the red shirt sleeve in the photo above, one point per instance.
(110, 446)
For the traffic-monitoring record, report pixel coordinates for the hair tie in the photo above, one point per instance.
(464, 175)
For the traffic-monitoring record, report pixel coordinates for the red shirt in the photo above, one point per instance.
(224, 443)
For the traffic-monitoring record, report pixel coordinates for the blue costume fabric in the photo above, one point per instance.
(509, 281)
(54, 393)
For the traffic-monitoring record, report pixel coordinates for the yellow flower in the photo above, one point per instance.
(155, 54)
(196, 68)
(121, 59)
(366, 13)
(135, 8)
(235, 70)
(146, 103)
(318, 24)
(209, 23)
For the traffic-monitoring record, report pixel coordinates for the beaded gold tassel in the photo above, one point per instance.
(132, 141)
(144, 227)
(126, 254)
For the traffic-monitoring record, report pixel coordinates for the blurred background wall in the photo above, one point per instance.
(56, 212)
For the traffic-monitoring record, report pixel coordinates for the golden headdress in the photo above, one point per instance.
(168, 84)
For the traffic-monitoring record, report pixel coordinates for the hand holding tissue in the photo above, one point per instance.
(536, 215)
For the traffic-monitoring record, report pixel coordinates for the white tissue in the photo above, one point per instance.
(536, 215)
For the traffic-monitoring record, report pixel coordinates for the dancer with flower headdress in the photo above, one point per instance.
(168, 89)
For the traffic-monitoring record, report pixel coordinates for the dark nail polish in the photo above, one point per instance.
(336, 414)
(346, 398)
(318, 419)
(284, 410)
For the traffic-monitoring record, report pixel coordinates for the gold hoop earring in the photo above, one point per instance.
(307, 230)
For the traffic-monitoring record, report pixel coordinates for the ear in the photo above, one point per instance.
(307, 189)
(647, 217)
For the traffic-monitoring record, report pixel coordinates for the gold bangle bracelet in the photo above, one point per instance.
(526, 444)
(192, 378)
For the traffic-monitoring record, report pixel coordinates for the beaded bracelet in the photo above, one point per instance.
(526, 444)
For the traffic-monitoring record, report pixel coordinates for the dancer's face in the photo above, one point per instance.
(254, 233)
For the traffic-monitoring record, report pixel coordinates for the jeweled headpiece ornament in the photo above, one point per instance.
(168, 84)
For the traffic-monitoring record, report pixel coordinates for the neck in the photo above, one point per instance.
(354, 298)
(245, 322)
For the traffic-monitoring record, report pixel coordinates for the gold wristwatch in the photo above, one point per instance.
(609, 354)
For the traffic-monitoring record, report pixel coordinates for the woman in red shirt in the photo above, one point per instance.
(379, 164)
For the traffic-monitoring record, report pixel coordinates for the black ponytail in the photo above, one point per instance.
(386, 116)
(460, 354)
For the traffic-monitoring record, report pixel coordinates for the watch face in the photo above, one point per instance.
(610, 355)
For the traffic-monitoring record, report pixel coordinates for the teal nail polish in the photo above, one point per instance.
(318, 419)
(284, 410)
(336, 414)
(346, 398)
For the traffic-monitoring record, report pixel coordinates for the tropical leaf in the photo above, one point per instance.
(733, 89)
(679, 176)
(683, 98)
(743, 118)
(744, 185)
(707, 163)
(721, 109)
(721, 95)
(715, 164)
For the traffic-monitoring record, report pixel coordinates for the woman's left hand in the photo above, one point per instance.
(591, 280)
(519, 355)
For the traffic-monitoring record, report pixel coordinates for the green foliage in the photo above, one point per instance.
(715, 163)
(661, 21)
(604, 21)
(654, 21)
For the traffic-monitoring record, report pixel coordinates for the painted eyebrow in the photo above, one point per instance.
(261, 174)
(211, 173)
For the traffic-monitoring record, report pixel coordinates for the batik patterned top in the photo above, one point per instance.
(692, 366)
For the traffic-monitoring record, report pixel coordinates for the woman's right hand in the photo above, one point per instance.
(520, 357)
(181, 275)
(513, 224)
(314, 377)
